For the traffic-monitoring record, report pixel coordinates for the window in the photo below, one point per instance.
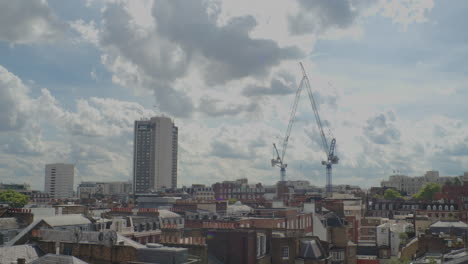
(285, 252)
(261, 245)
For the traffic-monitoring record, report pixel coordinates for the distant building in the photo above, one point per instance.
(389, 235)
(412, 185)
(59, 180)
(90, 189)
(155, 155)
(239, 189)
(200, 192)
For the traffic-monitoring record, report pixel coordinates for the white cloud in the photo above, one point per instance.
(406, 12)
(88, 31)
(13, 101)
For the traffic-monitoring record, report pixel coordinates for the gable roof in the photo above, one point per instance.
(25, 231)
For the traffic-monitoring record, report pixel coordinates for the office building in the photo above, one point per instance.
(155, 155)
(412, 185)
(59, 180)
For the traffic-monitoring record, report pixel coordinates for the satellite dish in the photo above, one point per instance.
(77, 234)
(110, 238)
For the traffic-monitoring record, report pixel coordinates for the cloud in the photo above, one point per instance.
(184, 39)
(211, 107)
(380, 129)
(336, 18)
(23, 22)
(87, 31)
(225, 151)
(317, 16)
(228, 51)
(283, 84)
(13, 101)
(95, 117)
(36, 131)
(406, 12)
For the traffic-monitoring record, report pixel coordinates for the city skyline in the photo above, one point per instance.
(389, 79)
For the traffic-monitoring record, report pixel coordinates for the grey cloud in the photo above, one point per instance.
(24, 21)
(223, 150)
(317, 15)
(228, 52)
(155, 56)
(210, 107)
(158, 61)
(381, 130)
(439, 131)
(186, 35)
(283, 84)
(458, 150)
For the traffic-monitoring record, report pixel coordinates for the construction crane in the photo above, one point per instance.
(329, 149)
(279, 160)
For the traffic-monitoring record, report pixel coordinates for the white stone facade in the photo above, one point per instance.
(59, 179)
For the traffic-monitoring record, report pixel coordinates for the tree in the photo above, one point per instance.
(428, 191)
(14, 198)
(392, 194)
(457, 181)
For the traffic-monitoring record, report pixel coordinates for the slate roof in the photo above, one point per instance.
(8, 223)
(333, 220)
(311, 249)
(28, 252)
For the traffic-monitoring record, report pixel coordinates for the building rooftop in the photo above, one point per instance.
(167, 214)
(66, 220)
(458, 224)
(57, 259)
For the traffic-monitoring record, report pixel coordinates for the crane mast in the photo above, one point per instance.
(279, 160)
(329, 150)
(331, 158)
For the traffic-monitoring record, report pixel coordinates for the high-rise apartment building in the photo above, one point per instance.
(59, 180)
(154, 155)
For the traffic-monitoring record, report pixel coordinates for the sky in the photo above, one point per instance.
(389, 77)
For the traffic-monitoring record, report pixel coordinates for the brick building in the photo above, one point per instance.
(239, 189)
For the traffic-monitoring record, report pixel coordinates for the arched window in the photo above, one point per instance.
(451, 208)
(434, 207)
(446, 207)
(428, 207)
(440, 207)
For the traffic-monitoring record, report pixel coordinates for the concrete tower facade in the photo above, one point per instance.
(59, 179)
(155, 155)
